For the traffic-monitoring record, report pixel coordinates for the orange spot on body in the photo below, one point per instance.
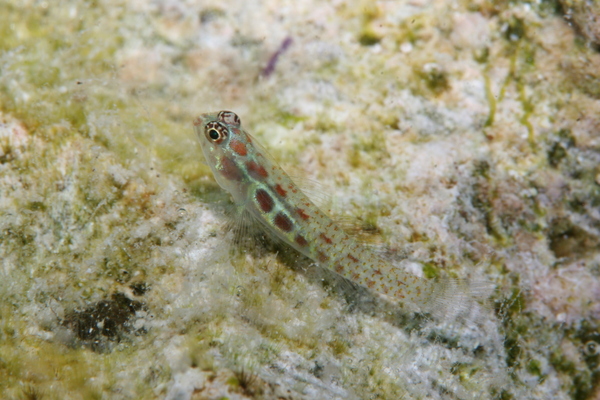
(256, 171)
(353, 258)
(377, 272)
(292, 188)
(302, 214)
(339, 269)
(283, 222)
(238, 147)
(322, 257)
(370, 284)
(325, 238)
(301, 241)
(280, 191)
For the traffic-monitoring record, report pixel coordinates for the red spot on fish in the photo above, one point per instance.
(325, 238)
(301, 241)
(370, 284)
(322, 257)
(264, 200)
(353, 258)
(238, 147)
(339, 269)
(236, 131)
(283, 222)
(229, 170)
(256, 171)
(302, 214)
(355, 276)
(280, 190)
(377, 272)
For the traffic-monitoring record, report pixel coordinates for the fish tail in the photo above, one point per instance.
(448, 297)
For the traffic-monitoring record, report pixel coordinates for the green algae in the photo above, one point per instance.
(61, 126)
(583, 376)
(430, 271)
(436, 79)
(367, 35)
(37, 62)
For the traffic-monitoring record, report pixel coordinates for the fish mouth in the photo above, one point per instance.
(200, 120)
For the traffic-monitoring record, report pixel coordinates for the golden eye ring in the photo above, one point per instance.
(215, 132)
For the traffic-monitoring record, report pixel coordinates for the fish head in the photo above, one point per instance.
(227, 149)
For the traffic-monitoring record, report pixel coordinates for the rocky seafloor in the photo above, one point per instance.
(459, 138)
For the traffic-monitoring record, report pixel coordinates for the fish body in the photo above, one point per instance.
(259, 185)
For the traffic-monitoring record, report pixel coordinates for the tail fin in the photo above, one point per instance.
(448, 297)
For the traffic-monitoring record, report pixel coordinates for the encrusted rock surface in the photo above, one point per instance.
(463, 137)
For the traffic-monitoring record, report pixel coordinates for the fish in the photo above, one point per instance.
(260, 187)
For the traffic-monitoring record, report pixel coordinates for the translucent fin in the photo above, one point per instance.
(450, 298)
(240, 224)
(250, 234)
(313, 189)
(318, 194)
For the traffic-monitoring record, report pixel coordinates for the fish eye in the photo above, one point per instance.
(215, 132)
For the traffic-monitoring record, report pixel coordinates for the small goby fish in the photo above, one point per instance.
(256, 182)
